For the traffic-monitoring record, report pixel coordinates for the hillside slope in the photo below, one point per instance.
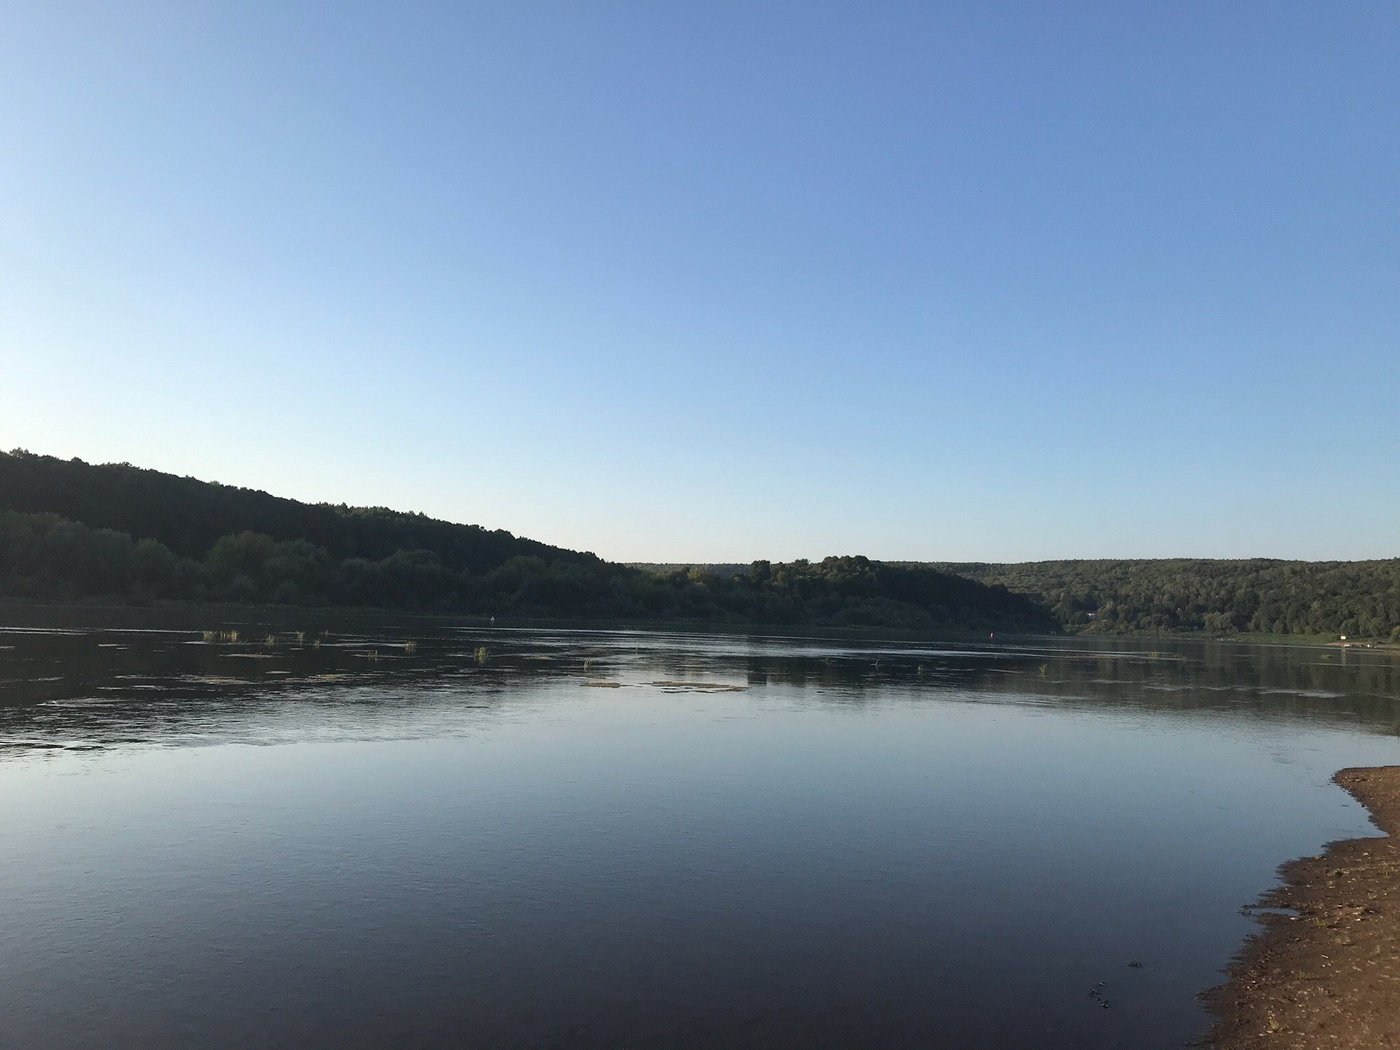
(189, 516)
(71, 530)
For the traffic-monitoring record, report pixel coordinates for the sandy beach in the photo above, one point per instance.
(1325, 972)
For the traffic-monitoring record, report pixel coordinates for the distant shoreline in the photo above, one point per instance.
(197, 616)
(298, 614)
(1328, 974)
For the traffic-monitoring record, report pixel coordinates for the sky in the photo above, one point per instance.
(722, 281)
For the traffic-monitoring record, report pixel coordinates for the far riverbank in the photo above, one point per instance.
(192, 615)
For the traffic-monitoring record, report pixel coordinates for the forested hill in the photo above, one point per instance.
(189, 516)
(1357, 598)
(73, 531)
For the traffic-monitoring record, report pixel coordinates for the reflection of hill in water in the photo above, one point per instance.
(1285, 681)
(64, 688)
(1288, 682)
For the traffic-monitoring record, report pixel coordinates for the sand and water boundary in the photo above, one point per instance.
(1325, 969)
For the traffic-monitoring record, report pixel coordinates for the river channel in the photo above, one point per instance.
(344, 836)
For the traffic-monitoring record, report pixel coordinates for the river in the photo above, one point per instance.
(410, 834)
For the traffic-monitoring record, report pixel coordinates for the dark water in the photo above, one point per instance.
(594, 839)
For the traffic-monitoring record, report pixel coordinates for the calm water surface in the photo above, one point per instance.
(613, 839)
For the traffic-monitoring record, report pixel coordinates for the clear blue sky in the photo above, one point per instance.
(718, 281)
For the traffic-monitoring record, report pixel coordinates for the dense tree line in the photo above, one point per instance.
(70, 531)
(46, 557)
(1360, 598)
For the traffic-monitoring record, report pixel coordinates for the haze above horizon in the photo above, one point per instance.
(714, 283)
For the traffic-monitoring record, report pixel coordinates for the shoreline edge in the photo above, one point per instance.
(1327, 975)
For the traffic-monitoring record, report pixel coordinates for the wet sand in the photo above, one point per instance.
(1329, 977)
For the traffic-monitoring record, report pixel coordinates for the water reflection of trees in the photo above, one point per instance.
(154, 679)
(1308, 684)
(1304, 683)
(85, 689)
